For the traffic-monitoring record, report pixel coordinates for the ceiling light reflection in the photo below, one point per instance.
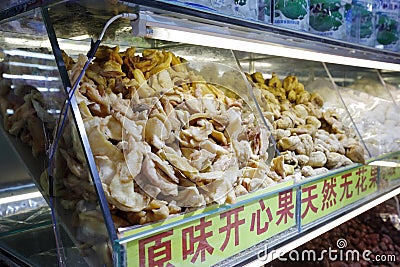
(45, 89)
(384, 163)
(30, 65)
(198, 36)
(23, 53)
(29, 77)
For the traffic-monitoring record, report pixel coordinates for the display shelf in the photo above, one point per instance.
(267, 33)
(276, 216)
(248, 29)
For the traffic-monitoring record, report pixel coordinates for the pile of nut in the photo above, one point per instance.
(163, 138)
(311, 138)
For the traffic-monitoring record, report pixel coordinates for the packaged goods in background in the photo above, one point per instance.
(265, 9)
(246, 9)
(292, 14)
(327, 18)
(361, 22)
(387, 24)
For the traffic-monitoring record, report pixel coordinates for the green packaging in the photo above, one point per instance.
(387, 31)
(292, 14)
(327, 18)
(361, 28)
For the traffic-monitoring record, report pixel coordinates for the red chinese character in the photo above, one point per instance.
(360, 185)
(285, 206)
(158, 254)
(346, 184)
(231, 225)
(373, 180)
(328, 193)
(256, 219)
(189, 240)
(308, 199)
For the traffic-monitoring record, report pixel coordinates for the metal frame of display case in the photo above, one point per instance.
(186, 18)
(79, 122)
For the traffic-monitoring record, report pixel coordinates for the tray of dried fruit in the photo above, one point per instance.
(167, 153)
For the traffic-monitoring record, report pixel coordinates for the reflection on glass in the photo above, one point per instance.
(371, 107)
(392, 81)
(31, 102)
(246, 9)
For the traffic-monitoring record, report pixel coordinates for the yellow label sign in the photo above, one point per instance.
(212, 238)
(325, 196)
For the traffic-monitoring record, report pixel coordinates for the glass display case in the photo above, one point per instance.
(162, 134)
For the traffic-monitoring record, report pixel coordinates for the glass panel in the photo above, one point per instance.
(392, 80)
(78, 13)
(186, 98)
(22, 208)
(255, 223)
(10, 3)
(211, 70)
(308, 119)
(31, 89)
(36, 247)
(32, 102)
(13, 172)
(76, 200)
(371, 107)
(359, 79)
